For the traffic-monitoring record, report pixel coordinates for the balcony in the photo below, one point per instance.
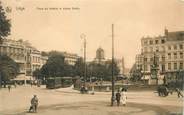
(19, 61)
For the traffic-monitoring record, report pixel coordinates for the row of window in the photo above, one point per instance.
(156, 49)
(11, 50)
(162, 48)
(151, 42)
(175, 66)
(170, 66)
(34, 67)
(17, 57)
(175, 55)
(163, 57)
(175, 47)
(35, 59)
(71, 61)
(23, 58)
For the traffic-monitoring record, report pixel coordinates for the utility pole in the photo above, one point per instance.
(83, 36)
(0, 80)
(144, 68)
(113, 97)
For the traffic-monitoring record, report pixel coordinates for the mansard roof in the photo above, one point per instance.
(176, 36)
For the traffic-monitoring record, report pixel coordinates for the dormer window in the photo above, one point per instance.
(156, 41)
(151, 42)
(145, 42)
(181, 46)
(175, 47)
(162, 41)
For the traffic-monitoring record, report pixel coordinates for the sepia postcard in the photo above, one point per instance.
(91, 57)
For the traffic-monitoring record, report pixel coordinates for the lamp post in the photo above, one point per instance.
(112, 97)
(0, 81)
(83, 36)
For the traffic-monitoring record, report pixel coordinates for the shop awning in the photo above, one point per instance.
(146, 77)
(23, 77)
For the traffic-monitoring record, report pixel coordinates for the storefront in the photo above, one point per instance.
(23, 79)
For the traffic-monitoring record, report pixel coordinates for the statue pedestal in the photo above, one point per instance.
(153, 82)
(160, 81)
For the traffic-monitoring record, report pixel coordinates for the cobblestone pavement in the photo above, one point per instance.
(67, 101)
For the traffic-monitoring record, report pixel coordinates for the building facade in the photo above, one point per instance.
(168, 50)
(100, 56)
(27, 57)
(70, 58)
(100, 59)
(120, 64)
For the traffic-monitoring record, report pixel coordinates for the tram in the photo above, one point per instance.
(58, 82)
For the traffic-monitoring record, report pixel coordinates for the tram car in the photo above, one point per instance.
(58, 82)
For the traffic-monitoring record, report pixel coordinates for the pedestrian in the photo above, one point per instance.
(31, 83)
(15, 84)
(124, 98)
(179, 92)
(34, 104)
(9, 87)
(118, 97)
(82, 89)
(124, 89)
(93, 90)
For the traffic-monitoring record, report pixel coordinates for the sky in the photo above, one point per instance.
(59, 24)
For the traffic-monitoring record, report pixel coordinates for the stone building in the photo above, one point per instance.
(121, 66)
(100, 59)
(169, 52)
(100, 56)
(70, 58)
(26, 56)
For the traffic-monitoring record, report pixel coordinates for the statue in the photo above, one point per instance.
(154, 68)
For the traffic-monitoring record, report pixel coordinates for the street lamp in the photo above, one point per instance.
(113, 96)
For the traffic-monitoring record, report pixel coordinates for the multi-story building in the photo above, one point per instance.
(100, 59)
(120, 64)
(15, 50)
(33, 60)
(43, 60)
(27, 57)
(168, 50)
(70, 58)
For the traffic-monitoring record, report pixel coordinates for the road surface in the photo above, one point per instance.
(66, 101)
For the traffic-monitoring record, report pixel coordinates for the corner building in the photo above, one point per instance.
(169, 51)
(26, 56)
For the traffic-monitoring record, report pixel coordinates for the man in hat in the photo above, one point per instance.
(118, 97)
(34, 104)
(179, 92)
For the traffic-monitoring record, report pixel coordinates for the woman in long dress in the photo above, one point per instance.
(124, 98)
